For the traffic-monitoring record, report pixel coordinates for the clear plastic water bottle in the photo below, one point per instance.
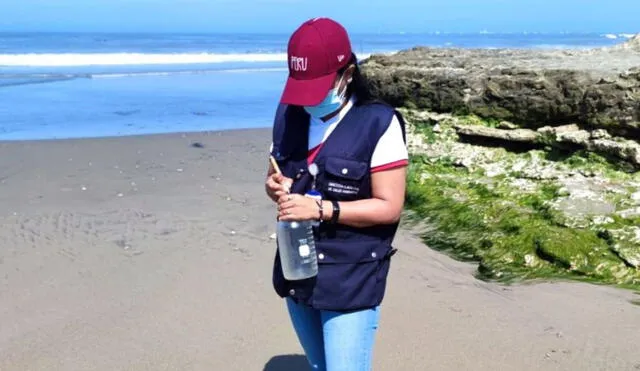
(297, 248)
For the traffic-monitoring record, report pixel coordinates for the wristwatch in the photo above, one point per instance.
(336, 212)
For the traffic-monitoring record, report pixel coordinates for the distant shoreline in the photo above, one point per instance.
(150, 136)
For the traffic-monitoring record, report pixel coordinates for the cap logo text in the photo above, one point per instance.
(298, 63)
(340, 57)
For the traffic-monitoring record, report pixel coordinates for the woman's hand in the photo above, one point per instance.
(295, 207)
(277, 185)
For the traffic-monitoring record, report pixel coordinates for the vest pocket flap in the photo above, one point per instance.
(343, 252)
(344, 168)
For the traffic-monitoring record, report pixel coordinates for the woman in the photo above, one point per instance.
(328, 117)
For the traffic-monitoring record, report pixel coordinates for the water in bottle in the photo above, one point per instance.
(296, 245)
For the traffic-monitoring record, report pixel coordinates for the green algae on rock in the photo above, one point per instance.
(522, 214)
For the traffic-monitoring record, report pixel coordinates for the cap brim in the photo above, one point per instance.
(307, 92)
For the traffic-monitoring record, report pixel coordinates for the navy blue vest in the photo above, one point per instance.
(353, 263)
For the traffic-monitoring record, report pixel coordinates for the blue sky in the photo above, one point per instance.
(285, 15)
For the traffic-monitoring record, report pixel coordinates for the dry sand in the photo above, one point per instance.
(147, 253)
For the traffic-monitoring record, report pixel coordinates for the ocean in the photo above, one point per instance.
(71, 85)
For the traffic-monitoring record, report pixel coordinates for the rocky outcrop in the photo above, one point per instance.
(524, 160)
(563, 137)
(515, 135)
(595, 89)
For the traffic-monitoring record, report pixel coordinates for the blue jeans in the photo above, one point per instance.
(335, 341)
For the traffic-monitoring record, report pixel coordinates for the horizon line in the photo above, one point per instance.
(436, 32)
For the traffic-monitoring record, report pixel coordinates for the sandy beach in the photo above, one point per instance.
(154, 253)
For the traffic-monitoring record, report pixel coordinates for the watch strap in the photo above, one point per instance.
(336, 212)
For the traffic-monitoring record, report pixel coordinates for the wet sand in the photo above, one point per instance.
(154, 253)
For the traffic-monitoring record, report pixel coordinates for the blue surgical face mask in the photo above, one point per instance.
(330, 104)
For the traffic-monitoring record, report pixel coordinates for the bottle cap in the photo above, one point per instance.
(315, 194)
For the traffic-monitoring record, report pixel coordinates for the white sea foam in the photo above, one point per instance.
(123, 59)
(169, 73)
(560, 47)
(131, 59)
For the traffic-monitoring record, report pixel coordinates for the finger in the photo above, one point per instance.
(271, 184)
(276, 187)
(287, 215)
(284, 218)
(280, 193)
(277, 177)
(286, 183)
(290, 197)
(286, 197)
(276, 196)
(287, 205)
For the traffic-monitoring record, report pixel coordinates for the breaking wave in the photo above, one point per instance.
(131, 59)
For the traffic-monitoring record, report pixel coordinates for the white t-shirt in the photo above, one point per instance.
(390, 151)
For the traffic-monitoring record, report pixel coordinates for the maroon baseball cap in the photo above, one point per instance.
(317, 50)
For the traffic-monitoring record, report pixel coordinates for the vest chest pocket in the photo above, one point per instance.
(344, 178)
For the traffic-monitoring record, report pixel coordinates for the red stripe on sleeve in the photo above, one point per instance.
(389, 166)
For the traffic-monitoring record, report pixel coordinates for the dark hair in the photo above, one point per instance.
(362, 90)
(359, 86)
